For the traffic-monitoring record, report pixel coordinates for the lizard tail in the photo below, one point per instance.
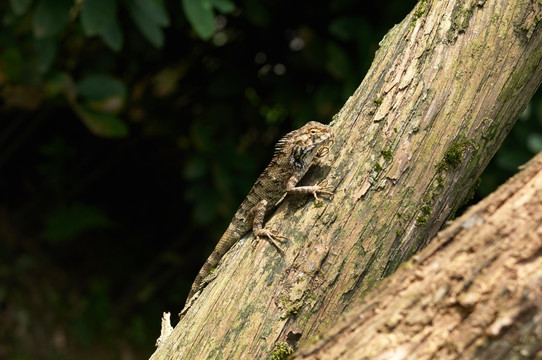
(195, 284)
(204, 271)
(226, 242)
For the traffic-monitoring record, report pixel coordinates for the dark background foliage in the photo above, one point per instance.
(132, 129)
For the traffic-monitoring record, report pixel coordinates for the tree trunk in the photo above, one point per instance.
(444, 89)
(474, 292)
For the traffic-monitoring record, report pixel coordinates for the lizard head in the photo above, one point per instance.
(307, 141)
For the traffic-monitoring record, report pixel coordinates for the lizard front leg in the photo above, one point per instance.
(315, 190)
(258, 214)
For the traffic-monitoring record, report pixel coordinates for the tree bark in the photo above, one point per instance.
(474, 293)
(442, 93)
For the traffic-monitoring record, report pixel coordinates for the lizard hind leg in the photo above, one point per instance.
(258, 213)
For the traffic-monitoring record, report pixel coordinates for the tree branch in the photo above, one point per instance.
(474, 292)
(443, 91)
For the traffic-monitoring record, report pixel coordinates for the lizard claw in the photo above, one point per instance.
(270, 235)
(322, 189)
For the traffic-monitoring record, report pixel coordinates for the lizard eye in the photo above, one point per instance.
(313, 131)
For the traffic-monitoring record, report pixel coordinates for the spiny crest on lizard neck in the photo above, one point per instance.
(302, 145)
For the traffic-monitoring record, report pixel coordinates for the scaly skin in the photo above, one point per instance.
(293, 156)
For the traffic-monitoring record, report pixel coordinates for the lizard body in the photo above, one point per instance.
(293, 156)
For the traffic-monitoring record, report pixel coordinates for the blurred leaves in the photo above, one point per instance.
(102, 97)
(97, 16)
(223, 6)
(50, 17)
(155, 11)
(149, 16)
(12, 60)
(348, 28)
(46, 52)
(93, 319)
(534, 142)
(200, 15)
(100, 123)
(130, 139)
(68, 222)
(100, 88)
(20, 6)
(256, 13)
(113, 37)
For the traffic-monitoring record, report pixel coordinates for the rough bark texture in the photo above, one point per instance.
(443, 91)
(474, 292)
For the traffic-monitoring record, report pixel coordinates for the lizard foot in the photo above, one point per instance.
(270, 235)
(322, 189)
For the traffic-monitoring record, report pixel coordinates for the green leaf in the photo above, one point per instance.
(101, 124)
(113, 37)
(100, 87)
(224, 6)
(46, 51)
(97, 16)
(102, 93)
(155, 11)
(20, 6)
(150, 29)
(50, 17)
(200, 15)
(69, 222)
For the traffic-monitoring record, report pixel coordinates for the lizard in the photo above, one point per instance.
(293, 156)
